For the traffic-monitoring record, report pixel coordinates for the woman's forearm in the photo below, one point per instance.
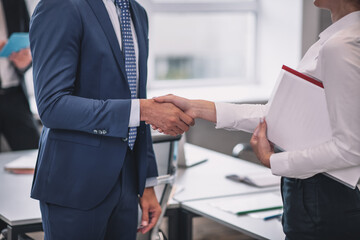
(204, 109)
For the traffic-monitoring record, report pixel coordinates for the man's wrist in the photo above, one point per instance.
(144, 106)
(149, 190)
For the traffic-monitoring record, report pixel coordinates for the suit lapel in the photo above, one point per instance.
(103, 17)
(141, 39)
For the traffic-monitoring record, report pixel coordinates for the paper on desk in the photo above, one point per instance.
(24, 164)
(251, 203)
(16, 42)
(297, 118)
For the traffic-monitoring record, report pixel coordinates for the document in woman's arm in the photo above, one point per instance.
(298, 118)
(297, 106)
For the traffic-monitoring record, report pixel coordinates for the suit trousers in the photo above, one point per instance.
(16, 120)
(115, 218)
(320, 208)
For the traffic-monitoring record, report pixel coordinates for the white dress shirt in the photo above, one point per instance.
(8, 75)
(114, 13)
(334, 59)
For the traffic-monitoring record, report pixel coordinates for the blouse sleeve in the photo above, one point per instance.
(243, 117)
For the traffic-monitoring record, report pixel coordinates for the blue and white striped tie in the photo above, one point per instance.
(130, 59)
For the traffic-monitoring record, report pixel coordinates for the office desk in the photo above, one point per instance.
(254, 227)
(204, 181)
(17, 210)
(207, 180)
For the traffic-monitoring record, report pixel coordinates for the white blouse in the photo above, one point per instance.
(334, 59)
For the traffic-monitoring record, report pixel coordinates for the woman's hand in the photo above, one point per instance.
(262, 148)
(183, 103)
(2, 44)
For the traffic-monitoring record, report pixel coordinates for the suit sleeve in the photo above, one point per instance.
(152, 170)
(55, 40)
(152, 166)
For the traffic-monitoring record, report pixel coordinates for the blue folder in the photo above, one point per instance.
(16, 42)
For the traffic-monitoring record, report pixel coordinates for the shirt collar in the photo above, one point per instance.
(342, 23)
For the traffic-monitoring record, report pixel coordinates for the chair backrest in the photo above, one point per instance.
(165, 148)
(166, 151)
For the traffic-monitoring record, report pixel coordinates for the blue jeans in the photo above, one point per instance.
(320, 208)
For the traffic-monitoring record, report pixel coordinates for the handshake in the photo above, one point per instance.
(174, 115)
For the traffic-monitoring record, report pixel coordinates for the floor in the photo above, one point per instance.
(203, 229)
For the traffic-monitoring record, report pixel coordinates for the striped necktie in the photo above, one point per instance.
(129, 54)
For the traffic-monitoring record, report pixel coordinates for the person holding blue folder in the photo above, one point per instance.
(17, 123)
(316, 207)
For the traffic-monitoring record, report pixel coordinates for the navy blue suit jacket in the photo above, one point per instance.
(83, 99)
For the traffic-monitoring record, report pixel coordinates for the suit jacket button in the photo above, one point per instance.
(104, 132)
(95, 131)
(125, 139)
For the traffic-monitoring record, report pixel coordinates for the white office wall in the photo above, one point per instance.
(311, 25)
(279, 37)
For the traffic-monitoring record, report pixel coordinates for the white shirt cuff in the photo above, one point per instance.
(134, 120)
(223, 120)
(279, 163)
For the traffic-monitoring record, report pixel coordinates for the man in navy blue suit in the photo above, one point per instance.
(95, 152)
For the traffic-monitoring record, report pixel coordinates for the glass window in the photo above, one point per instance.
(201, 45)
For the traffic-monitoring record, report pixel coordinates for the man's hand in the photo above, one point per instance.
(21, 59)
(151, 210)
(263, 149)
(165, 116)
(2, 44)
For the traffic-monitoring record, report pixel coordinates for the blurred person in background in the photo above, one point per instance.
(17, 123)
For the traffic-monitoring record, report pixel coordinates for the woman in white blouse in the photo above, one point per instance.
(315, 206)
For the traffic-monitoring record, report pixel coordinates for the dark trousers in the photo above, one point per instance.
(320, 208)
(16, 121)
(115, 218)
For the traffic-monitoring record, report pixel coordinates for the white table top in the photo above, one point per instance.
(16, 206)
(207, 180)
(252, 226)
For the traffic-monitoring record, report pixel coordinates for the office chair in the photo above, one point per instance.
(244, 151)
(165, 148)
